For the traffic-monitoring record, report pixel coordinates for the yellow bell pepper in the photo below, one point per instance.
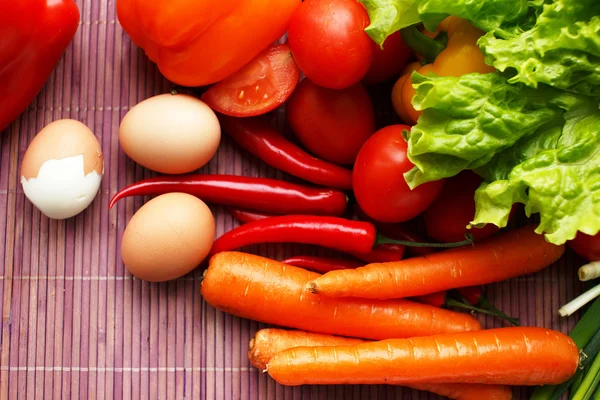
(459, 57)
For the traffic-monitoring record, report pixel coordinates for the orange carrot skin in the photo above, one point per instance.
(504, 256)
(466, 391)
(504, 356)
(266, 343)
(270, 341)
(268, 291)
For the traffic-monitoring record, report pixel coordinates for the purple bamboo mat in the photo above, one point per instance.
(76, 325)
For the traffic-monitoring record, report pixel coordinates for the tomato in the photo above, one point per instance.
(586, 246)
(447, 218)
(378, 181)
(259, 87)
(388, 61)
(332, 124)
(329, 43)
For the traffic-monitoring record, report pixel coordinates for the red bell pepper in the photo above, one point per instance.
(34, 34)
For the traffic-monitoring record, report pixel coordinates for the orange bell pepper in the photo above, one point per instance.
(459, 57)
(196, 43)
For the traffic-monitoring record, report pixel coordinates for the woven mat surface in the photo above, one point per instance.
(76, 325)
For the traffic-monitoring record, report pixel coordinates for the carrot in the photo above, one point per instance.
(507, 255)
(466, 391)
(504, 356)
(270, 341)
(268, 291)
(266, 343)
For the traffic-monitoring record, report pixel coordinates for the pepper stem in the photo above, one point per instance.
(423, 45)
(486, 308)
(380, 239)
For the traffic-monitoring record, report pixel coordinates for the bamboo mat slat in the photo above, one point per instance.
(76, 325)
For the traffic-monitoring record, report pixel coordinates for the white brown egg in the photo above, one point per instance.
(62, 169)
(168, 237)
(170, 133)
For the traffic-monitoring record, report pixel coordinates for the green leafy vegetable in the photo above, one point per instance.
(389, 16)
(560, 181)
(562, 49)
(486, 15)
(532, 129)
(539, 147)
(467, 120)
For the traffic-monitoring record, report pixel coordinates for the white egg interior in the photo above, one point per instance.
(62, 189)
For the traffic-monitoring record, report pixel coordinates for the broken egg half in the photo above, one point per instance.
(62, 169)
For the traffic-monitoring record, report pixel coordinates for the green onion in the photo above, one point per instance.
(589, 271)
(579, 301)
(586, 328)
(588, 353)
(590, 382)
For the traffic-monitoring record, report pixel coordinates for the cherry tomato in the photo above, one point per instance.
(378, 181)
(447, 218)
(329, 43)
(586, 246)
(388, 61)
(332, 124)
(259, 87)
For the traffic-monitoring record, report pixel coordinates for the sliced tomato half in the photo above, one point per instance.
(259, 87)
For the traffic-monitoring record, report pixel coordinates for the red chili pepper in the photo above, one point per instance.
(382, 253)
(437, 299)
(256, 135)
(34, 36)
(355, 237)
(472, 294)
(322, 264)
(260, 194)
(331, 232)
(245, 216)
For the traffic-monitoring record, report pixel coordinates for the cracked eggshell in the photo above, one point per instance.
(170, 133)
(168, 237)
(62, 169)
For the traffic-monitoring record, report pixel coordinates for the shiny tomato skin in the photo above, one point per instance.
(586, 246)
(331, 124)
(329, 43)
(447, 218)
(259, 87)
(389, 61)
(378, 182)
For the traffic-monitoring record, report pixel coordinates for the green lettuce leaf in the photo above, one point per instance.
(562, 49)
(466, 120)
(486, 15)
(555, 173)
(389, 16)
(539, 147)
